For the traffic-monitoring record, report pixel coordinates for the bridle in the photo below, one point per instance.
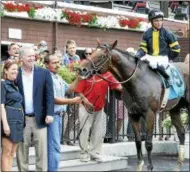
(96, 68)
(108, 58)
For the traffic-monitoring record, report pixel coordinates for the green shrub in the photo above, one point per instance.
(183, 116)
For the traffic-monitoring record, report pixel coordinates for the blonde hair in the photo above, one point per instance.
(69, 42)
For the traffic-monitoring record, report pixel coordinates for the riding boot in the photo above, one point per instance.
(163, 72)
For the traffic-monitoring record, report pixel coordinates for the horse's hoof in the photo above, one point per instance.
(176, 169)
(150, 167)
(140, 166)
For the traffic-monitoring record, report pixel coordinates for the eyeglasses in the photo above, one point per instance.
(88, 53)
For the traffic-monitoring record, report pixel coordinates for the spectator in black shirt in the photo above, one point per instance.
(12, 124)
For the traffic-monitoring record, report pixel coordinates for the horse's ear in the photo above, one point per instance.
(114, 45)
(98, 41)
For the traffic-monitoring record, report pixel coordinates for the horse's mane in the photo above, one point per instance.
(124, 52)
(127, 54)
(130, 55)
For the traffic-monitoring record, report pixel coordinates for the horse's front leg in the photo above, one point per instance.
(136, 127)
(176, 121)
(148, 143)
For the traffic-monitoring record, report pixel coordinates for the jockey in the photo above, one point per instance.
(160, 42)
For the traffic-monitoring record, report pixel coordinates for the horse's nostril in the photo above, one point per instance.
(94, 72)
(84, 70)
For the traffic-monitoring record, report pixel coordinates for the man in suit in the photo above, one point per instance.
(36, 86)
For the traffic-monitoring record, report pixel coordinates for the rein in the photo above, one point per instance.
(122, 82)
(108, 59)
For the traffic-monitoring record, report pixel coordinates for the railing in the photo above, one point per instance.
(115, 118)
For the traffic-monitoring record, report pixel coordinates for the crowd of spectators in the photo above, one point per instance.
(41, 92)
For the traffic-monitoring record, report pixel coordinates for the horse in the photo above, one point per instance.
(143, 93)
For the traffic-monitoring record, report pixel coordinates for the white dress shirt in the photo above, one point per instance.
(27, 80)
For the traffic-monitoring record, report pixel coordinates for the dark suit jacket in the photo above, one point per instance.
(43, 98)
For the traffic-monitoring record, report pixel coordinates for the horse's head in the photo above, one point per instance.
(99, 61)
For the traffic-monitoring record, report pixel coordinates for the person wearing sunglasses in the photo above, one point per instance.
(87, 52)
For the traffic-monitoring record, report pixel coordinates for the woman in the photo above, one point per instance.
(12, 123)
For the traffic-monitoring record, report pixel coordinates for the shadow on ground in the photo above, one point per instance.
(161, 162)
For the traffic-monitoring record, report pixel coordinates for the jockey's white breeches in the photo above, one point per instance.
(155, 61)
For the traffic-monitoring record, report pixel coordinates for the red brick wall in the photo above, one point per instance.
(185, 47)
(174, 26)
(35, 31)
(86, 37)
(32, 31)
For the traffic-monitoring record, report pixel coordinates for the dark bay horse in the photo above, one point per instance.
(143, 93)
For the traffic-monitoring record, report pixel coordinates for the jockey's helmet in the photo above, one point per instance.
(153, 14)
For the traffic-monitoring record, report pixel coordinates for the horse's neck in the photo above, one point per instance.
(129, 70)
(125, 65)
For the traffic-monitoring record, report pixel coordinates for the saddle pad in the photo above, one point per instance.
(177, 88)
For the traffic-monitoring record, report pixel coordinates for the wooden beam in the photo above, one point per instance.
(164, 8)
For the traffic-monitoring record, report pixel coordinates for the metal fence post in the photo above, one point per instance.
(110, 111)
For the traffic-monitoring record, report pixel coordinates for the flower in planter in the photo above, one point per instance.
(144, 25)
(134, 22)
(13, 7)
(2, 11)
(107, 22)
(75, 17)
(48, 13)
(124, 22)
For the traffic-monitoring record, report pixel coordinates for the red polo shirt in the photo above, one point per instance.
(95, 89)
